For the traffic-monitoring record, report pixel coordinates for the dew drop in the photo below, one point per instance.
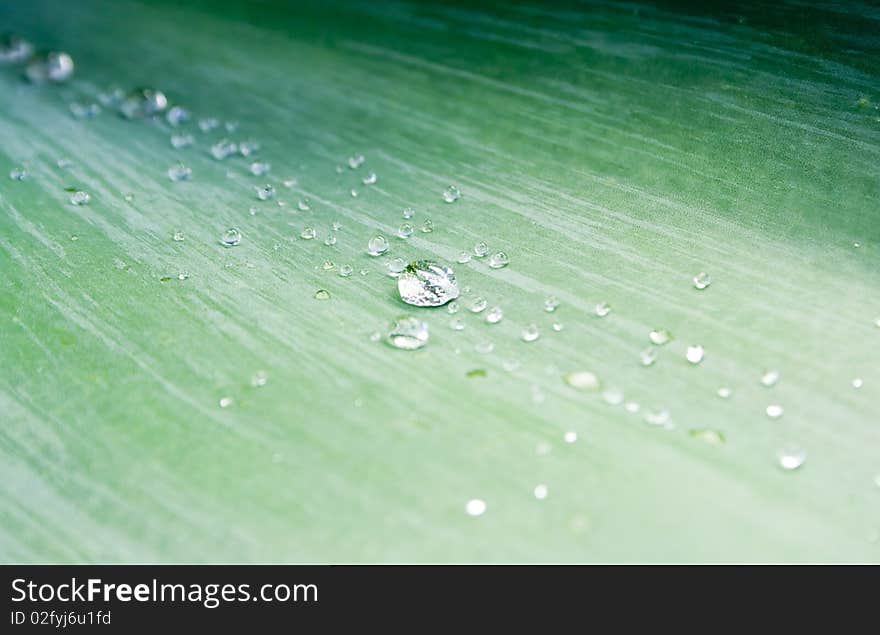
(289, 183)
(857, 383)
(370, 179)
(475, 507)
(582, 380)
(328, 265)
(570, 437)
(396, 266)
(648, 356)
(427, 226)
(463, 257)
(54, 66)
(225, 402)
(426, 283)
(84, 111)
(694, 354)
(602, 309)
(659, 337)
(478, 305)
(178, 236)
(530, 333)
(451, 194)
(248, 148)
(322, 294)
(557, 327)
(330, 240)
(613, 396)
(208, 124)
(631, 407)
(495, 315)
(702, 280)
(657, 417)
(453, 308)
(345, 270)
(377, 245)
(18, 174)
(511, 365)
(14, 49)
(791, 457)
(712, 437)
(769, 378)
(354, 193)
(408, 333)
(498, 260)
(259, 379)
(308, 233)
(177, 115)
(484, 347)
(265, 192)
(354, 162)
(724, 392)
(774, 411)
(541, 492)
(408, 213)
(80, 198)
(456, 324)
(180, 141)
(405, 230)
(551, 304)
(179, 172)
(231, 237)
(259, 168)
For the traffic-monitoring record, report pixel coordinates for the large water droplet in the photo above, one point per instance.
(231, 237)
(426, 283)
(408, 333)
(377, 245)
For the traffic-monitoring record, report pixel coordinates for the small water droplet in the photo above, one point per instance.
(582, 380)
(791, 457)
(354, 193)
(498, 260)
(456, 324)
(84, 111)
(602, 309)
(613, 396)
(308, 233)
(354, 162)
(177, 115)
(530, 333)
(328, 265)
(475, 507)
(451, 194)
(658, 417)
(377, 245)
(453, 308)
(231, 237)
(345, 270)
(259, 168)
(80, 198)
(484, 347)
(769, 378)
(774, 411)
(259, 379)
(64, 164)
(223, 148)
(724, 392)
(659, 337)
(225, 402)
(426, 283)
(14, 49)
(632, 407)
(570, 437)
(336, 226)
(408, 333)
(694, 354)
(180, 141)
(541, 492)
(265, 192)
(178, 236)
(289, 183)
(463, 257)
(702, 280)
(405, 230)
(427, 226)
(557, 327)
(248, 148)
(551, 304)
(396, 266)
(648, 356)
(208, 124)
(712, 437)
(495, 315)
(478, 305)
(481, 249)
(408, 213)
(330, 240)
(370, 179)
(54, 66)
(183, 275)
(231, 126)
(857, 383)
(375, 336)
(322, 294)
(179, 172)
(18, 174)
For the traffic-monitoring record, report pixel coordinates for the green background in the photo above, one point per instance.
(611, 150)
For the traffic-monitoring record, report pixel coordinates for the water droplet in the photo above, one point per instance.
(570, 437)
(375, 336)
(791, 457)
(322, 294)
(463, 257)
(478, 305)
(694, 354)
(774, 411)
(178, 236)
(557, 327)
(377, 245)
(180, 141)
(354, 162)
(265, 192)
(80, 198)
(631, 407)
(451, 194)
(541, 492)
(498, 260)
(857, 383)
(84, 111)
(143, 102)
(248, 148)
(475, 507)
(330, 240)
(712, 437)
(231, 237)
(511, 365)
(14, 49)
(370, 179)
(336, 226)
(495, 315)
(408, 333)
(223, 148)
(225, 402)
(408, 213)
(877, 322)
(18, 174)
(208, 124)
(183, 275)
(530, 333)
(231, 126)
(702, 280)
(602, 309)
(328, 265)
(724, 392)
(179, 172)
(289, 183)
(427, 226)
(456, 324)
(484, 347)
(405, 230)
(177, 115)
(426, 283)
(551, 304)
(657, 417)
(660, 337)
(354, 193)
(769, 378)
(64, 164)
(613, 396)
(308, 233)
(452, 308)
(345, 270)
(582, 380)
(259, 168)
(648, 356)
(396, 266)
(54, 66)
